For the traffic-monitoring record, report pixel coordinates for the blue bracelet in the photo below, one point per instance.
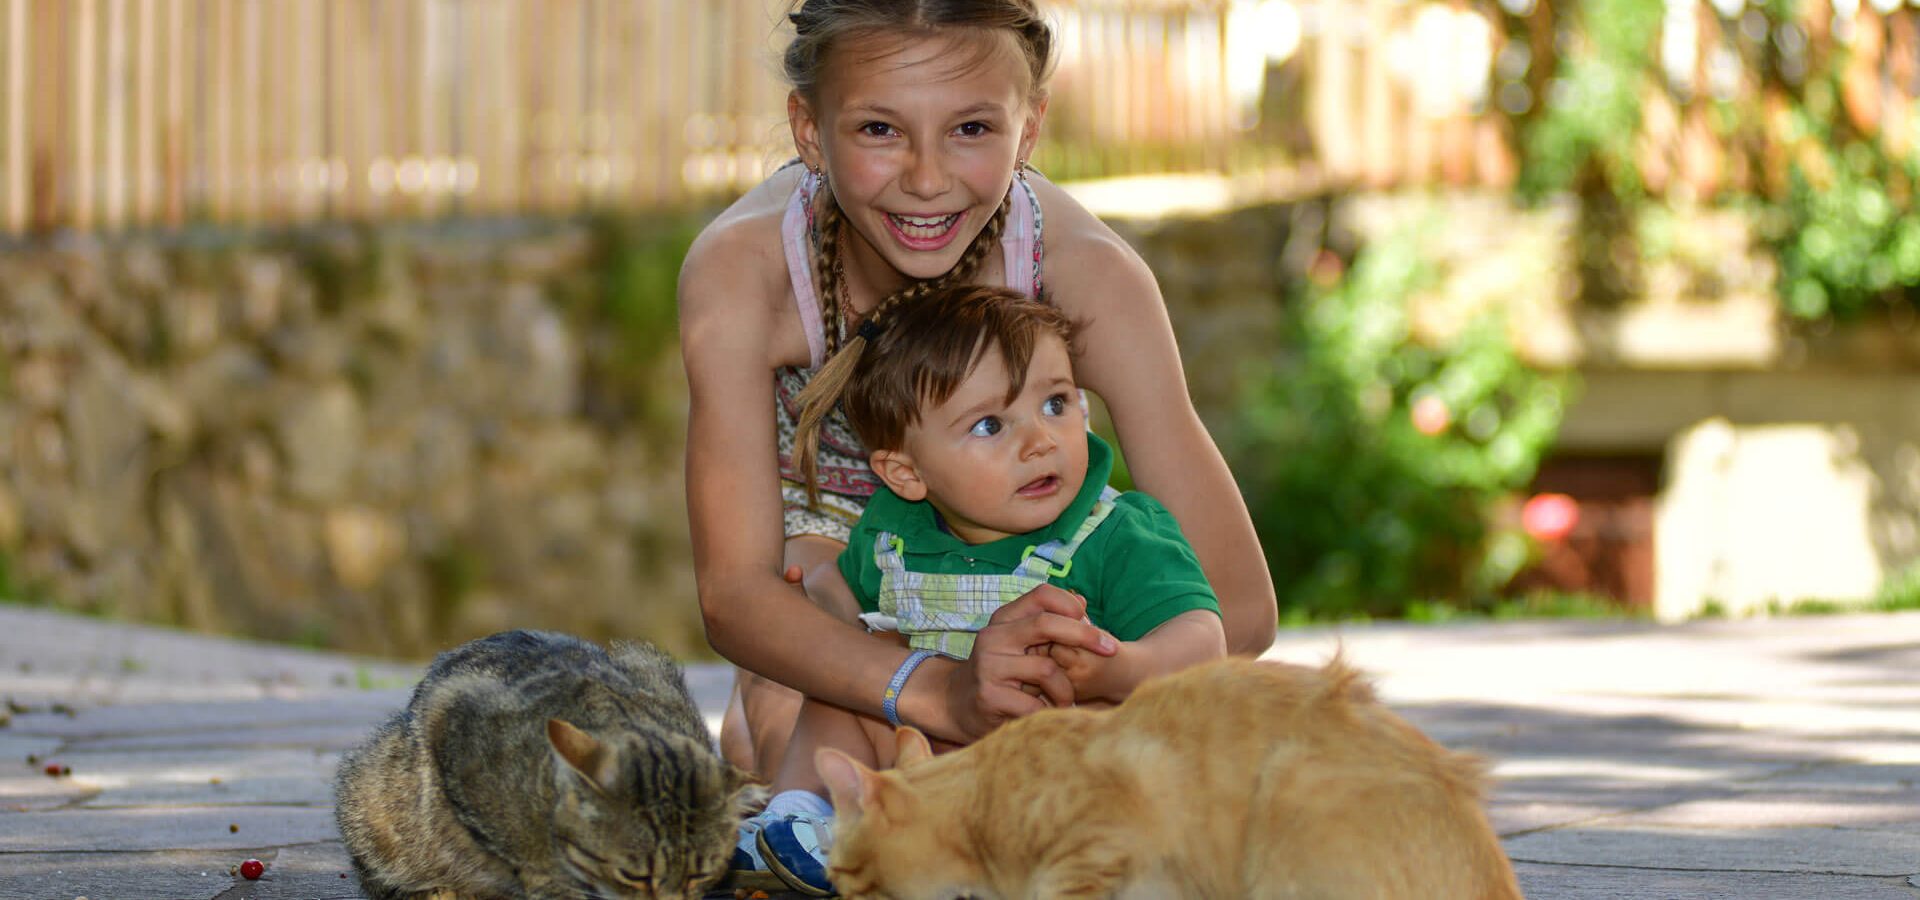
(891, 703)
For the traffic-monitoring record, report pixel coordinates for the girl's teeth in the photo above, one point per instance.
(922, 227)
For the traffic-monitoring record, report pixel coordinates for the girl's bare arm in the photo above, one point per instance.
(1129, 358)
(730, 315)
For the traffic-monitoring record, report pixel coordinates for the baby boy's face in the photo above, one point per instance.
(995, 469)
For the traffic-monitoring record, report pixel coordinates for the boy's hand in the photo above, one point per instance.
(1094, 677)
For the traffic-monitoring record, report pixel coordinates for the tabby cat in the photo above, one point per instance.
(537, 765)
(1235, 779)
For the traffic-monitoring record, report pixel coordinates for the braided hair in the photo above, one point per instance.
(824, 390)
(818, 26)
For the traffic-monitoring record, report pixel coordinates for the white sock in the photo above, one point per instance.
(799, 803)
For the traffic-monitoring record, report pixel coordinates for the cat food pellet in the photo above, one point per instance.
(66, 770)
(252, 869)
(233, 829)
(33, 759)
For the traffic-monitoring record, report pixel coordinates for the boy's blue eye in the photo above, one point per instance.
(987, 427)
(1056, 405)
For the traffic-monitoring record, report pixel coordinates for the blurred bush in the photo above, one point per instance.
(1371, 461)
(1797, 135)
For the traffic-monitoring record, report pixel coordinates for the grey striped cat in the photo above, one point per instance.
(537, 765)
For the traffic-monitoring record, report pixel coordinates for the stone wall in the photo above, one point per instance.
(392, 440)
(378, 440)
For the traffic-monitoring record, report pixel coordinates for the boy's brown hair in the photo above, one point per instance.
(925, 349)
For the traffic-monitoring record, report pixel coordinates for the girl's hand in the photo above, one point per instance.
(986, 689)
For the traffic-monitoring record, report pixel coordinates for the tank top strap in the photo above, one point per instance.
(1020, 242)
(796, 234)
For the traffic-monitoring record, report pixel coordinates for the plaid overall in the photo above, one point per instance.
(942, 611)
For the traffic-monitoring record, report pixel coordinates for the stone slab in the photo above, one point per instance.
(1832, 851)
(1847, 776)
(363, 708)
(174, 875)
(1530, 806)
(325, 735)
(305, 872)
(165, 828)
(1542, 882)
(17, 747)
(296, 777)
(25, 789)
(1774, 809)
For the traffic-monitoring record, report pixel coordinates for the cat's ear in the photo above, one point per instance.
(858, 790)
(846, 780)
(910, 746)
(582, 753)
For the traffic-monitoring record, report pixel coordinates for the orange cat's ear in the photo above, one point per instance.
(847, 780)
(581, 752)
(910, 746)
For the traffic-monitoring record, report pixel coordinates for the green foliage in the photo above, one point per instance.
(627, 306)
(1843, 227)
(1543, 605)
(1847, 235)
(1359, 512)
(1592, 115)
(17, 588)
(1899, 591)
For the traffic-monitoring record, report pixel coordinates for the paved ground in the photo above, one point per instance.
(1776, 759)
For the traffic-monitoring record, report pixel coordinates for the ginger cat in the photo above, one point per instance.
(1234, 779)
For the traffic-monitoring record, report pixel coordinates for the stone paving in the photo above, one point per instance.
(1750, 759)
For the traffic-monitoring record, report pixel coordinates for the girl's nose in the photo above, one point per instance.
(926, 175)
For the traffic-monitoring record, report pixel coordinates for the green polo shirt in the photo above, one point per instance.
(1136, 570)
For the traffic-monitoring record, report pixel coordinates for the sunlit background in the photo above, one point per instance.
(351, 322)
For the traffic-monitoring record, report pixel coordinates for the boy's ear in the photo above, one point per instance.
(896, 470)
(806, 130)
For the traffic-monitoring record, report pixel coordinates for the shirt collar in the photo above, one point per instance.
(917, 523)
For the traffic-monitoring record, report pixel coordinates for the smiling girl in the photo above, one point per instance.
(913, 121)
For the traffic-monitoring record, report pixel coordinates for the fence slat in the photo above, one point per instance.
(131, 113)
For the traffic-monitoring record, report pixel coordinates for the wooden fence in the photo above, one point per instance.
(132, 113)
(129, 113)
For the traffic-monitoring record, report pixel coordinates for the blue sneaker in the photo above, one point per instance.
(795, 847)
(747, 870)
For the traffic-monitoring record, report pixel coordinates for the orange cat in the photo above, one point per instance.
(1234, 779)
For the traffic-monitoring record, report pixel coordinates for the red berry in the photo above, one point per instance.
(53, 769)
(252, 869)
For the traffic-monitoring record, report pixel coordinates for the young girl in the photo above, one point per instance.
(913, 120)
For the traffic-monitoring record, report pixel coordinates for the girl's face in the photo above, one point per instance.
(919, 136)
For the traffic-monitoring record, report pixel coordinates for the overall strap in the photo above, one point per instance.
(1054, 559)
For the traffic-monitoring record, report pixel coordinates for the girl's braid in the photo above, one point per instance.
(826, 267)
(824, 390)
